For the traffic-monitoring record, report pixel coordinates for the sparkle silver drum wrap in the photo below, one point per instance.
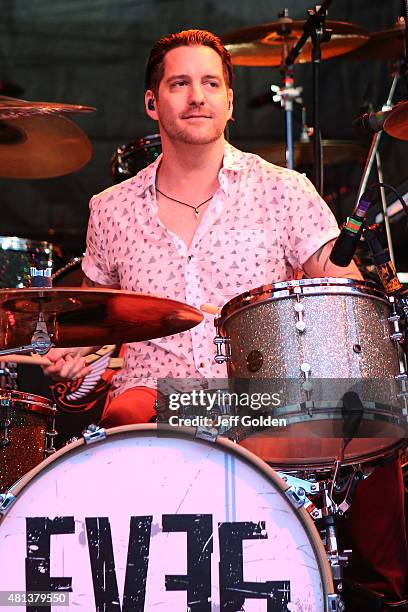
(334, 329)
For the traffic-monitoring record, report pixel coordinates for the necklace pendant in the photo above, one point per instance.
(196, 212)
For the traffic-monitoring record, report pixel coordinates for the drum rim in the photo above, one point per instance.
(15, 243)
(31, 402)
(257, 295)
(164, 430)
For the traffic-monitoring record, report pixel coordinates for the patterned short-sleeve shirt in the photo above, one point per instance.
(262, 224)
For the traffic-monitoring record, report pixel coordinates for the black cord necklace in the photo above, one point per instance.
(195, 208)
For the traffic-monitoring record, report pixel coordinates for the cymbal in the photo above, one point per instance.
(396, 123)
(87, 317)
(36, 141)
(264, 44)
(335, 152)
(385, 45)
(12, 108)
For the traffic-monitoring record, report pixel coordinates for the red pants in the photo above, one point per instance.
(375, 529)
(131, 407)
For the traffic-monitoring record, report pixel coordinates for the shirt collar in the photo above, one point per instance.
(146, 178)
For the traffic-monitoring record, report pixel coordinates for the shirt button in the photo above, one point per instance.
(201, 364)
(189, 258)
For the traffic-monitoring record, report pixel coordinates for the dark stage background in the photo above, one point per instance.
(93, 52)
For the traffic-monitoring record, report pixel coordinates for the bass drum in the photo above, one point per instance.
(151, 518)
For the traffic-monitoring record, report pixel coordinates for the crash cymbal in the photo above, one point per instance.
(385, 45)
(335, 152)
(37, 142)
(264, 44)
(88, 317)
(396, 123)
(12, 108)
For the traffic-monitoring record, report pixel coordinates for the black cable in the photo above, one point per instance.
(373, 187)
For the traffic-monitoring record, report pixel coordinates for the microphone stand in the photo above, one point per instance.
(315, 28)
(373, 154)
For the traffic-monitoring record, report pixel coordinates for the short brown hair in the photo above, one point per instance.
(187, 38)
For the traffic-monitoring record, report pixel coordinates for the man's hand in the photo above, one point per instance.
(67, 363)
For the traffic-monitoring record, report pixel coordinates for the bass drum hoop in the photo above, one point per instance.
(152, 429)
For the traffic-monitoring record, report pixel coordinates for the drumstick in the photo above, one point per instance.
(115, 362)
(210, 309)
(26, 359)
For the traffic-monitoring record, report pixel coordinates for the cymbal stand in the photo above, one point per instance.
(373, 155)
(41, 341)
(287, 93)
(315, 28)
(400, 72)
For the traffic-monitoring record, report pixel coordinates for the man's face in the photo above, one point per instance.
(193, 103)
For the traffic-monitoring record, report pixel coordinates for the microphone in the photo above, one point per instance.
(383, 263)
(346, 243)
(370, 123)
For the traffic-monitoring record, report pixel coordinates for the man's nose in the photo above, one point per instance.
(197, 95)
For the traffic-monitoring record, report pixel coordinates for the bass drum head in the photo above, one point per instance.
(150, 518)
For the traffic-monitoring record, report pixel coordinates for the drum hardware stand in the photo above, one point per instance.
(4, 423)
(328, 532)
(219, 342)
(50, 435)
(373, 154)
(93, 433)
(315, 28)
(6, 500)
(41, 341)
(8, 375)
(287, 93)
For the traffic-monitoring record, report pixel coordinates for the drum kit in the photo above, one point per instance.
(155, 515)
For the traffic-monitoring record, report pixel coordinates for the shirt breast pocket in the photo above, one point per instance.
(238, 260)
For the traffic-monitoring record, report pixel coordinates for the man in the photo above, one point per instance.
(203, 223)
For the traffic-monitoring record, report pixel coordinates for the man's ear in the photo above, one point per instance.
(150, 104)
(230, 95)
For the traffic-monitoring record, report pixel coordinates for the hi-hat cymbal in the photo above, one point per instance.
(396, 123)
(384, 45)
(264, 44)
(36, 141)
(335, 152)
(88, 317)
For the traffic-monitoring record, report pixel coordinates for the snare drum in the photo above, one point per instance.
(16, 258)
(309, 342)
(26, 433)
(150, 518)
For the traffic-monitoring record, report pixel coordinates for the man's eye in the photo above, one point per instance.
(178, 83)
(213, 83)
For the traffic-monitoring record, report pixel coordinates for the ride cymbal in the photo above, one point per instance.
(267, 44)
(335, 152)
(36, 141)
(88, 317)
(384, 45)
(396, 123)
